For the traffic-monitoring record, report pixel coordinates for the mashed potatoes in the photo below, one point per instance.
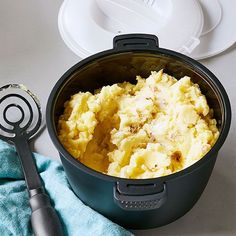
(154, 128)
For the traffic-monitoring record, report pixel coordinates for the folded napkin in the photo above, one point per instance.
(77, 218)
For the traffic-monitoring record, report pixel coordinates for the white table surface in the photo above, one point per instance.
(33, 53)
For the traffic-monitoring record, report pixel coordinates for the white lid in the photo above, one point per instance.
(219, 31)
(88, 27)
(198, 28)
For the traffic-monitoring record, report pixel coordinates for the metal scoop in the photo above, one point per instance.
(20, 119)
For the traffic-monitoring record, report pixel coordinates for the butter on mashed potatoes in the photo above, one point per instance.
(154, 128)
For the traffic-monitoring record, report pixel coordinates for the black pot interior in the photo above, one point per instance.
(120, 67)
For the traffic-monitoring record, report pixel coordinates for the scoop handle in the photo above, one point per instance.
(44, 219)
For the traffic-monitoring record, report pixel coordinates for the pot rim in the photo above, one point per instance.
(180, 57)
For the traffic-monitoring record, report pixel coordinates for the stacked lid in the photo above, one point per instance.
(197, 28)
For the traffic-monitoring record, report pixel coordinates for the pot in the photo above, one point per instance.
(138, 203)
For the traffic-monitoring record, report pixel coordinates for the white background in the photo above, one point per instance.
(33, 53)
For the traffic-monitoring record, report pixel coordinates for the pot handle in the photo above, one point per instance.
(142, 202)
(135, 41)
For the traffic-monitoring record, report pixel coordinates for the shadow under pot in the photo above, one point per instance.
(138, 203)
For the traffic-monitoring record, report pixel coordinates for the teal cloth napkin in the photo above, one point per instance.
(76, 217)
